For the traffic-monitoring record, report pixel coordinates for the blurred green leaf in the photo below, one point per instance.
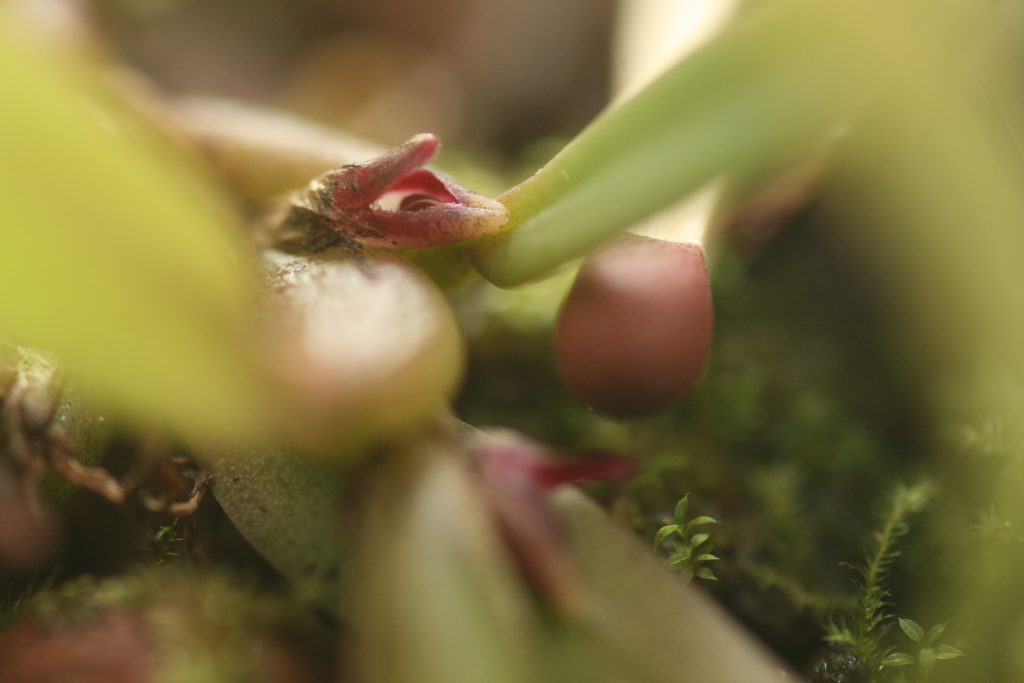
(701, 520)
(113, 254)
(935, 632)
(435, 599)
(664, 533)
(706, 574)
(948, 652)
(912, 630)
(637, 611)
(682, 507)
(897, 659)
(926, 658)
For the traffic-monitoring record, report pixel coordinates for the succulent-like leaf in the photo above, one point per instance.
(437, 601)
(365, 347)
(287, 506)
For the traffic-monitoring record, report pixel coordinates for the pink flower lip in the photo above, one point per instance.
(392, 201)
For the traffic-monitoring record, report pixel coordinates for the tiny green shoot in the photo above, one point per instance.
(690, 553)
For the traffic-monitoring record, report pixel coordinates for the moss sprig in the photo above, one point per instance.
(864, 630)
(690, 553)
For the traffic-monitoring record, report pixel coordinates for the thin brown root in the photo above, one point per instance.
(95, 479)
(178, 508)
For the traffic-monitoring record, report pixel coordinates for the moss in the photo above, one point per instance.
(195, 626)
(785, 440)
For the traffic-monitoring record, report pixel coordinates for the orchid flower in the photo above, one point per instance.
(390, 202)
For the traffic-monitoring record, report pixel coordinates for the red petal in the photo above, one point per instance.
(425, 182)
(359, 185)
(548, 473)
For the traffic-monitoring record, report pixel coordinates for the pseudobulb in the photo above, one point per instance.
(635, 331)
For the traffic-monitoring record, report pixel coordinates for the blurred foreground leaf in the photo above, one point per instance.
(438, 598)
(434, 600)
(656, 626)
(934, 194)
(112, 256)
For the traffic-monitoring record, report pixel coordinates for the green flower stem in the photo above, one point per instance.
(649, 40)
(750, 100)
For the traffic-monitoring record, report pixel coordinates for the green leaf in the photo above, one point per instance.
(437, 600)
(706, 574)
(840, 637)
(897, 659)
(703, 519)
(926, 657)
(698, 540)
(707, 557)
(935, 632)
(912, 629)
(286, 506)
(682, 508)
(943, 652)
(114, 254)
(679, 558)
(664, 533)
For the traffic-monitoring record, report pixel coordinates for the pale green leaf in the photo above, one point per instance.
(706, 574)
(897, 659)
(679, 558)
(640, 611)
(664, 533)
(926, 658)
(935, 632)
(912, 629)
(114, 255)
(681, 508)
(840, 637)
(948, 652)
(698, 540)
(437, 600)
(703, 519)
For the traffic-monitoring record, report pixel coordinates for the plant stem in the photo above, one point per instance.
(754, 98)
